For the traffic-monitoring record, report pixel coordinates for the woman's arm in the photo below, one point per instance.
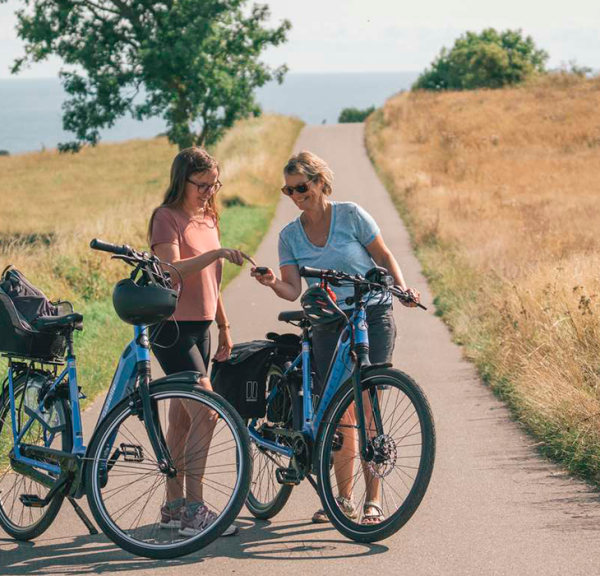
(290, 285)
(225, 342)
(170, 253)
(384, 258)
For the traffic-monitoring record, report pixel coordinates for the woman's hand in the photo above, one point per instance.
(235, 256)
(225, 345)
(416, 296)
(267, 279)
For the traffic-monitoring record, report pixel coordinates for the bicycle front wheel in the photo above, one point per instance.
(379, 494)
(127, 491)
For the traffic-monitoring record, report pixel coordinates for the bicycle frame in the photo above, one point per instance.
(133, 367)
(353, 341)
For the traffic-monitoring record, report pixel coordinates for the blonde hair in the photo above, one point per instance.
(189, 161)
(313, 167)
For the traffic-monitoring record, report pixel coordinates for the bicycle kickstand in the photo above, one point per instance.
(83, 517)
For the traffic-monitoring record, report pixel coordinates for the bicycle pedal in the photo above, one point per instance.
(132, 453)
(32, 501)
(287, 476)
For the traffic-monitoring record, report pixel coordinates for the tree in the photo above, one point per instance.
(193, 62)
(349, 115)
(488, 60)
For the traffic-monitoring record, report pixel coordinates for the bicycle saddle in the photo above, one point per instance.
(291, 316)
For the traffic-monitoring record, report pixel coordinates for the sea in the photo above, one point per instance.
(30, 110)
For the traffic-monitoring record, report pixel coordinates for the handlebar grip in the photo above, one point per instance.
(96, 244)
(307, 272)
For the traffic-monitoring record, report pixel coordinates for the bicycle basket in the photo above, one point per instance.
(242, 380)
(21, 304)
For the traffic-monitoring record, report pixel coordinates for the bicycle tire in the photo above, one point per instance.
(13, 484)
(397, 447)
(264, 465)
(103, 483)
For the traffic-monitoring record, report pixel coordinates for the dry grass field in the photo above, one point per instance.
(501, 191)
(52, 205)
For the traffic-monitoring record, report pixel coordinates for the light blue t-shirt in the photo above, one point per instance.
(352, 229)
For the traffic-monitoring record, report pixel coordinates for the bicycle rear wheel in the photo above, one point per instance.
(126, 489)
(21, 522)
(397, 477)
(267, 497)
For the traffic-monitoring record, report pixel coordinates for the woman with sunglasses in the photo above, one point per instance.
(184, 231)
(340, 236)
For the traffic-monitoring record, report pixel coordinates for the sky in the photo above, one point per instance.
(388, 35)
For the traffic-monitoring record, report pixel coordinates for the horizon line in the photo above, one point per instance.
(15, 77)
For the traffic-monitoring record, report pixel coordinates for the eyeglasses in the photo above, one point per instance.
(301, 188)
(203, 188)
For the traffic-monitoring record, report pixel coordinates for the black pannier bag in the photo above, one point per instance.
(21, 304)
(242, 380)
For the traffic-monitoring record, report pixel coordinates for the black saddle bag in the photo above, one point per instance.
(242, 380)
(21, 304)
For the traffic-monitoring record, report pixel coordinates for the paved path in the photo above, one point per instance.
(493, 506)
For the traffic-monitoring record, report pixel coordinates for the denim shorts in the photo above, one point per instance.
(382, 339)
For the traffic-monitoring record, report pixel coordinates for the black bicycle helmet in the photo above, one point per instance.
(321, 310)
(143, 304)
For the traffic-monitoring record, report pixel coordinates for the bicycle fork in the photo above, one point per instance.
(361, 352)
(152, 424)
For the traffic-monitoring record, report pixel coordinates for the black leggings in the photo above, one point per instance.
(189, 351)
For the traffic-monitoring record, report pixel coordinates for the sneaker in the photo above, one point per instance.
(200, 520)
(170, 517)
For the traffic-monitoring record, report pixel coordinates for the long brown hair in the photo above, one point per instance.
(189, 161)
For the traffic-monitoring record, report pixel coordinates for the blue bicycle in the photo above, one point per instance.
(133, 454)
(370, 439)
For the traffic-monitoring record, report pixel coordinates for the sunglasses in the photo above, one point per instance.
(301, 188)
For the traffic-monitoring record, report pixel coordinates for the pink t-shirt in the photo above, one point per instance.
(194, 236)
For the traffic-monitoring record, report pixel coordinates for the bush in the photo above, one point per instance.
(488, 60)
(349, 115)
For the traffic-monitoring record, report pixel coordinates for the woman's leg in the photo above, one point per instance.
(343, 461)
(202, 425)
(323, 347)
(179, 424)
(200, 432)
(186, 430)
(382, 339)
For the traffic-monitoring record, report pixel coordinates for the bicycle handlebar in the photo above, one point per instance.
(335, 276)
(150, 266)
(124, 250)
(308, 272)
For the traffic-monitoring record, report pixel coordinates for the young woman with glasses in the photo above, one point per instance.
(184, 231)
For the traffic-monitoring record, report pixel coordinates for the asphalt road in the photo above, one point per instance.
(494, 506)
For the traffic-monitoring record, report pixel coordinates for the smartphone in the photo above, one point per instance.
(261, 270)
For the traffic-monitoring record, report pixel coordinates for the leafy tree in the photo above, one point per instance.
(349, 115)
(488, 60)
(193, 62)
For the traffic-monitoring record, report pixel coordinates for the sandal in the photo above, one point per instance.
(370, 519)
(346, 504)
